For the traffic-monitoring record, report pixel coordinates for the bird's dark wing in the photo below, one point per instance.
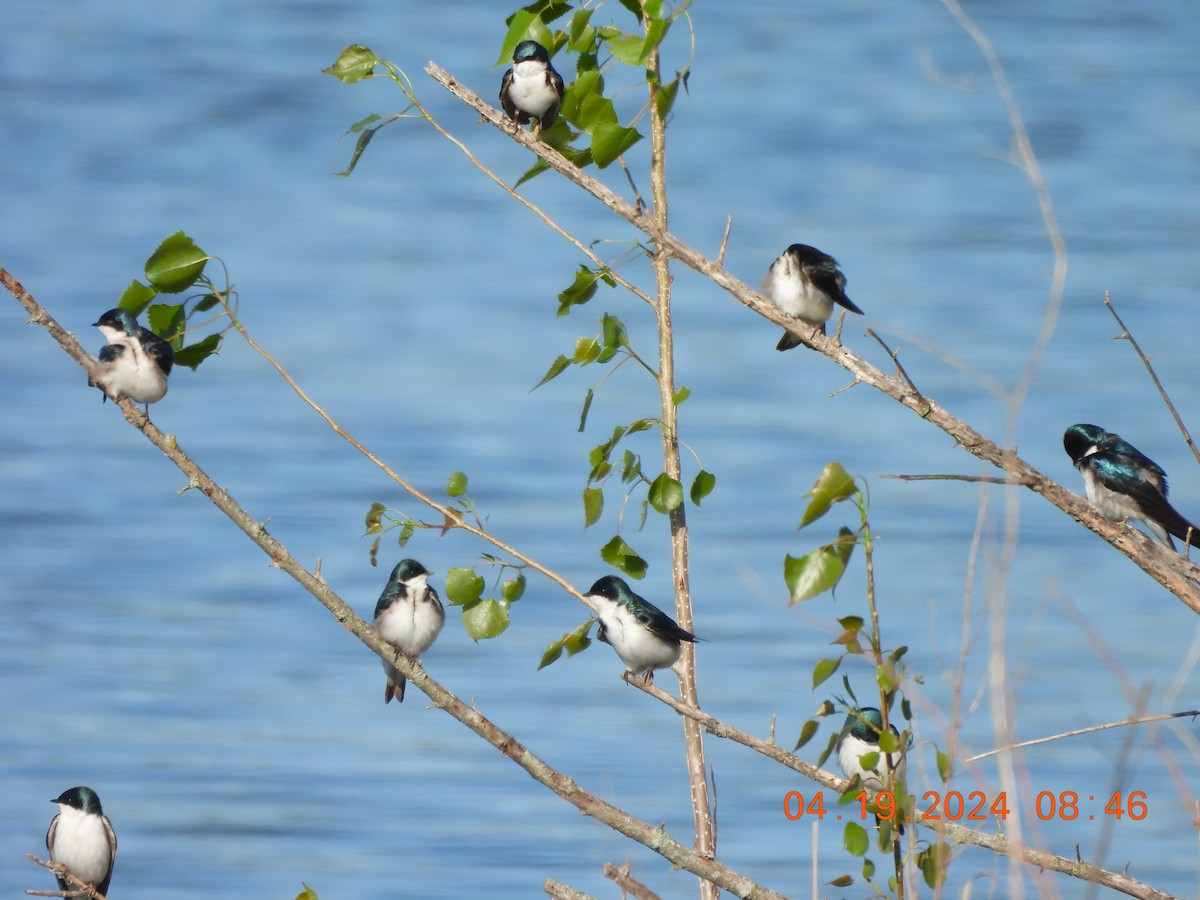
(158, 350)
(111, 352)
(556, 83)
(663, 625)
(387, 597)
(505, 101)
(1122, 468)
(826, 276)
(102, 887)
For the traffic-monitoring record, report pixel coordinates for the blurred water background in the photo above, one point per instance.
(237, 736)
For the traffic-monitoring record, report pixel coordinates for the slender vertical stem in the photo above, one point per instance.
(701, 806)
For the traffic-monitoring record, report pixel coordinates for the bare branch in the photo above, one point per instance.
(627, 883)
(1127, 335)
(1140, 720)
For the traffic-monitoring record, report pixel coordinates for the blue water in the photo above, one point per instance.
(238, 737)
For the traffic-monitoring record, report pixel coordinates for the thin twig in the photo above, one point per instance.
(1161, 717)
(560, 891)
(1127, 335)
(82, 888)
(982, 479)
(724, 241)
(627, 883)
(895, 357)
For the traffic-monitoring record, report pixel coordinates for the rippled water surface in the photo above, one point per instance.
(238, 737)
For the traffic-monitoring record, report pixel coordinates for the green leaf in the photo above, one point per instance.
(819, 571)
(620, 555)
(824, 669)
(702, 486)
(625, 47)
(556, 368)
(528, 24)
(194, 354)
(587, 405)
(580, 33)
(574, 641)
(485, 619)
(353, 64)
(206, 303)
(842, 881)
(167, 320)
(665, 494)
(832, 486)
(593, 506)
(595, 110)
(359, 146)
(176, 264)
(610, 140)
(855, 839)
(406, 532)
(943, 765)
(664, 100)
(586, 351)
(456, 485)
(374, 520)
(136, 297)
(928, 862)
(806, 733)
(680, 395)
(363, 123)
(869, 761)
(306, 894)
(580, 291)
(553, 651)
(512, 590)
(587, 83)
(655, 34)
(463, 586)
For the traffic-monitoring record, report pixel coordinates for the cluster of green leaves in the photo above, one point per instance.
(176, 266)
(574, 641)
(586, 111)
(663, 493)
(483, 617)
(813, 574)
(585, 108)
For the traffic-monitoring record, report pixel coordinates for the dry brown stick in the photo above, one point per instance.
(1127, 335)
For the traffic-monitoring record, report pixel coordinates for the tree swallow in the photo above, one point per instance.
(408, 616)
(134, 363)
(1122, 483)
(531, 88)
(860, 736)
(805, 283)
(644, 636)
(82, 839)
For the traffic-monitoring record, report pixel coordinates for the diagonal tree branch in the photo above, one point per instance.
(1176, 574)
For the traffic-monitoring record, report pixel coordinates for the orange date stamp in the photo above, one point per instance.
(976, 806)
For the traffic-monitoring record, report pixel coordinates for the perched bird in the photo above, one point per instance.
(860, 737)
(644, 636)
(531, 88)
(134, 363)
(409, 616)
(1122, 483)
(805, 283)
(82, 839)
